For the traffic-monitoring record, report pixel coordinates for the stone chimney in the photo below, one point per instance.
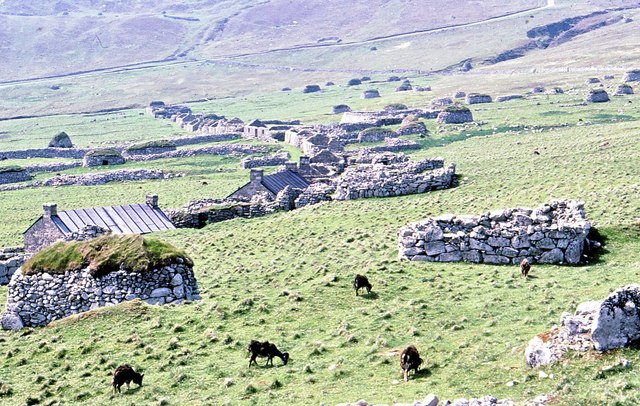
(292, 166)
(49, 210)
(152, 200)
(304, 163)
(256, 175)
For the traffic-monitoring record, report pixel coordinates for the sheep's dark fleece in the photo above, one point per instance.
(361, 282)
(266, 349)
(125, 374)
(410, 359)
(525, 267)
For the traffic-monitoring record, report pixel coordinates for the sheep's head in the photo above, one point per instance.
(285, 358)
(137, 379)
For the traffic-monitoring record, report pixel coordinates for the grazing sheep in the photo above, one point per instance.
(125, 374)
(361, 282)
(266, 349)
(410, 359)
(525, 267)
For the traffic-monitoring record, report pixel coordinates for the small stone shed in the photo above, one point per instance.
(56, 225)
(270, 184)
(256, 129)
(103, 157)
(61, 140)
(13, 174)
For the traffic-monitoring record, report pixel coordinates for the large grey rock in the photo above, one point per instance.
(617, 323)
(555, 256)
(538, 352)
(11, 321)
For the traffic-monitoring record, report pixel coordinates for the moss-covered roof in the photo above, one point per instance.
(456, 108)
(104, 152)
(105, 254)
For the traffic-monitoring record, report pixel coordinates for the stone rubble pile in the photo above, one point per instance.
(37, 300)
(554, 233)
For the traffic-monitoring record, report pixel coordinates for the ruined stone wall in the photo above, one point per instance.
(269, 160)
(52, 167)
(224, 149)
(75, 153)
(379, 180)
(14, 177)
(201, 139)
(554, 233)
(37, 300)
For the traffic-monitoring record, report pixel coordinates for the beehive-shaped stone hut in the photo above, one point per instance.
(340, 108)
(311, 89)
(455, 115)
(61, 140)
(632, 76)
(623, 89)
(597, 96)
(476, 98)
(13, 174)
(591, 81)
(441, 101)
(370, 94)
(74, 277)
(103, 157)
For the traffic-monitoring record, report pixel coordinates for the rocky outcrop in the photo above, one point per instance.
(623, 90)
(632, 76)
(617, 321)
(37, 300)
(554, 233)
(597, 96)
(504, 98)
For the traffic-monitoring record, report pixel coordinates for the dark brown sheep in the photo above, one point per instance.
(125, 374)
(410, 359)
(525, 267)
(361, 282)
(266, 349)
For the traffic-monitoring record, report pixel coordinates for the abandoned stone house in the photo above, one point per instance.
(272, 184)
(256, 129)
(56, 225)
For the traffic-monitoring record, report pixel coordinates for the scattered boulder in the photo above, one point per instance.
(11, 321)
(354, 82)
(466, 66)
(422, 88)
(340, 108)
(597, 96)
(441, 101)
(538, 89)
(555, 90)
(61, 140)
(365, 79)
(370, 94)
(476, 98)
(623, 89)
(459, 95)
(285, 89)
(632, 76)
(455, 115)
(329, 84)
(616, 322)
(311, 89)
(608, 77)
(591, 81)
(507, 97)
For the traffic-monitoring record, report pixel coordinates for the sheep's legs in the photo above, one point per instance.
(406, 375)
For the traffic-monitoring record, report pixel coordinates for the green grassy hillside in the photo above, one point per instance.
(287, 277)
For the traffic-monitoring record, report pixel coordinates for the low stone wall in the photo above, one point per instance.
(314, 194)
(14, 177)
(269, 160)
(148, 151)
(475, 98)
(395, 145)
(10, 260)
(75, 153)
(224, 149)
(37, 300)
(379, 180)
(99, 178)
(507, 97)
(52, 167)
(554, 233)
(201, 139)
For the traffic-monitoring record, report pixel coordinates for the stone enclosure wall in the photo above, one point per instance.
(554, 233)
(37, 300)
(14, 176)
(10, 260)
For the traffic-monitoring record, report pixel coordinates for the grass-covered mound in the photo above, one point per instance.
(11, 168)
(105, 254)
(104, 152)
(456, 108)
(151, 144)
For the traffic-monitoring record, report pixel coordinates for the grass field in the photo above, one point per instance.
(287, 277)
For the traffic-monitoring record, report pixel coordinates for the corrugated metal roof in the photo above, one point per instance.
(127, 219)
(279, 180)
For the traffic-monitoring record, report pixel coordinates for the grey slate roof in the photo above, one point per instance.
(279, 180)
(127, 219)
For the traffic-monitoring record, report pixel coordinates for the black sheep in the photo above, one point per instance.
(125, 374)
(410, 359)
(266, 349)
(361, 282)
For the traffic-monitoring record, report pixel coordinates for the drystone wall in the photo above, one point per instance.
(507, 97)
(14, 177)
(554, 233)
(52, 167)
(37, 300)
(269, 160)
(395, 145)
(99, 178)
(380, 180)
(10, 260)
(75, 153)
(201, 139)
(224, 149)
